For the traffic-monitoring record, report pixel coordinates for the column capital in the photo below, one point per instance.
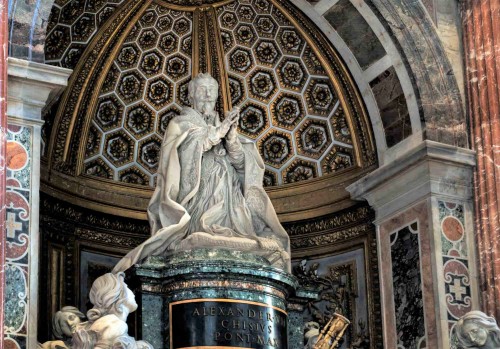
(31, 85)
(431, 168)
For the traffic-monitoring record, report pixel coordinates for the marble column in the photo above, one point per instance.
(428, 278)
(4, 38)
(481, 24)
(30, 86)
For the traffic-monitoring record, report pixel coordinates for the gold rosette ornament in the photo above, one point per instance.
(332, 332)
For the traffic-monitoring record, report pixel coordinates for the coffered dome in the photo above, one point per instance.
(132, 62)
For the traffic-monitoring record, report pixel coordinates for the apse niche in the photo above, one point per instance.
(132, 61)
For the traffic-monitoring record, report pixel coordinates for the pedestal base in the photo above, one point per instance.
(214, 298)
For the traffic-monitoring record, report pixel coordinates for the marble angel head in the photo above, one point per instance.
(110, 295)
(476, 330)
(65, 322)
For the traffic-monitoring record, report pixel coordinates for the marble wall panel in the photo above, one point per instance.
(356, 32)
(17, 230)
(407, 287)
(393, 108)
(411, 228)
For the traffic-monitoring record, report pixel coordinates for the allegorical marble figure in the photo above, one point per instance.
(106, 328)
(64, 324)
(476, 330)
(209, 189)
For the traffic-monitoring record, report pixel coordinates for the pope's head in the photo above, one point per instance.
(203, 93)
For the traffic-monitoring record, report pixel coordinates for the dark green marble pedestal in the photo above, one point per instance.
(214, 298)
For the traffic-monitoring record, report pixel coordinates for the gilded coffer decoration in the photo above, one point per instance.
(133, 60)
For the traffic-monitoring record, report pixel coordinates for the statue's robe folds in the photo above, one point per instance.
(210, 194)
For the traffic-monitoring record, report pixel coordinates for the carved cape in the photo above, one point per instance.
(178, 181)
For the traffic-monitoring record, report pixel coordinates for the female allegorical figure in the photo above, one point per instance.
(476, 330)
(106, 328)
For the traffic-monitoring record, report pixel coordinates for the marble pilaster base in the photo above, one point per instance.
(214, 298)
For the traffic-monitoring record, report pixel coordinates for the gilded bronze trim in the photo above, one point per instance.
(219, 53)
(206, 53)
(226, 301)
(195, 55)
(192, 8)
(215, 284)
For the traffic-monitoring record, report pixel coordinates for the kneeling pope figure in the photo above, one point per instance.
(209, 191)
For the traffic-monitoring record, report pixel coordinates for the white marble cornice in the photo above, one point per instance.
(431, 168)
(31, 86)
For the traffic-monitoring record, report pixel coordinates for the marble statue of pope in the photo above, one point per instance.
(209, 190)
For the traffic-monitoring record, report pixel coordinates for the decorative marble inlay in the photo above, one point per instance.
(17, 230)
(407, 286)
(454, 247)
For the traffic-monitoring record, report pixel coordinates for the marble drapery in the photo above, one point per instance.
(191, 206)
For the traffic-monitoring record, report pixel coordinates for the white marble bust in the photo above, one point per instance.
(476, 330)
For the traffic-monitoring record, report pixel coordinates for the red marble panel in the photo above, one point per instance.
(452, 228)
(482, 54)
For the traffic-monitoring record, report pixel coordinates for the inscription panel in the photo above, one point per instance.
(226, 323)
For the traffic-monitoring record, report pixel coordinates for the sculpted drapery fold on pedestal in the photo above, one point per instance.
(209, 191)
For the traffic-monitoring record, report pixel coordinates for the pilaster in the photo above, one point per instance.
(30, 86)
(4, 38)
(424, 218)
(481, 37)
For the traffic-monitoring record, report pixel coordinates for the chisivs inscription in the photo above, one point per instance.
(227, 323)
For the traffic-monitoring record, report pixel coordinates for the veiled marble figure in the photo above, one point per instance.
(476, 330)
(209, 190)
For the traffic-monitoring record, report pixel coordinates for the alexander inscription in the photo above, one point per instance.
(224, 323)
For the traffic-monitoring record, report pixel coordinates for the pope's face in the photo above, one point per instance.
(205, 95)
(68, 322)
(476, 334)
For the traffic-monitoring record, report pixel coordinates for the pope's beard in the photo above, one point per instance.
(205, 107)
